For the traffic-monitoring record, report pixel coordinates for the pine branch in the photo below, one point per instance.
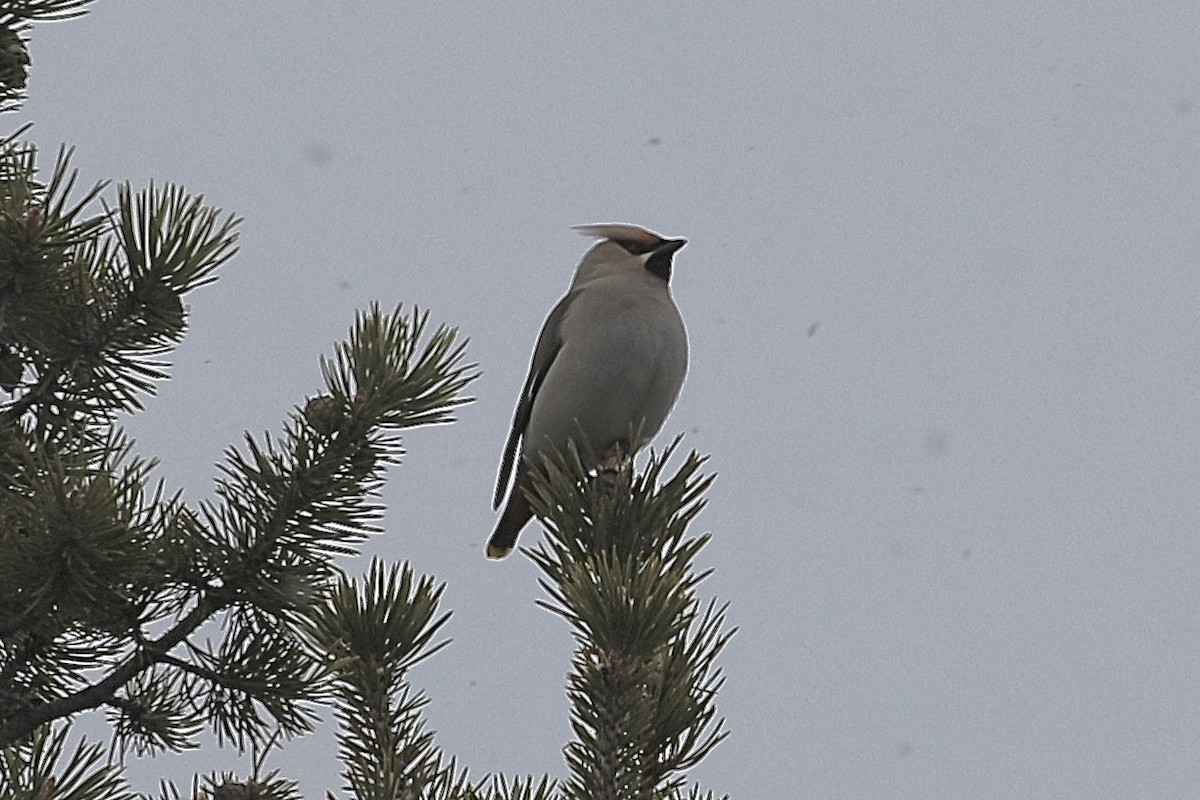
(263, 556)
(31, 770)
(22, 724)
(15, 19)
(41, 10)
(371, 635)
(41, 280)
(290, 507)
(618, 565)
(528, 788)
(87, 303)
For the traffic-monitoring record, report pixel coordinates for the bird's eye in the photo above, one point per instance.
(636, 248)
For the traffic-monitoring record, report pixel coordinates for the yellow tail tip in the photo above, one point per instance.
(496, 553)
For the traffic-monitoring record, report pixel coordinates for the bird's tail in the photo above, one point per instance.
(516, 514)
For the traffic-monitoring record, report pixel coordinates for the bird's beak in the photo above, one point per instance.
(670, 245)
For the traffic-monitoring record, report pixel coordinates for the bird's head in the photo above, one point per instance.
(625, 248)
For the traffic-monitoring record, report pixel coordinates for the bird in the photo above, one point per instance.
(607, 367)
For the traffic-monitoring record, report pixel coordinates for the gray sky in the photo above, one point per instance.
(957, 523)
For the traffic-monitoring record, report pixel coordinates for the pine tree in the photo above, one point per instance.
(107, 578)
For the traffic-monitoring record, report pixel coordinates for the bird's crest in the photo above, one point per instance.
(641, 238)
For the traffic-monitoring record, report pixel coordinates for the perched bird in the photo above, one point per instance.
(610, 359)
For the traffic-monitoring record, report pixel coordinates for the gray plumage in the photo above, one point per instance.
(610, 359)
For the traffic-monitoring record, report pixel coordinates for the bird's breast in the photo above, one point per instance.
(621, 365)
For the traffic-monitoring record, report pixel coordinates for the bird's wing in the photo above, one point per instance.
(548, 344)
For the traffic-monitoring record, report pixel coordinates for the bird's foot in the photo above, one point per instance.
(615, 459)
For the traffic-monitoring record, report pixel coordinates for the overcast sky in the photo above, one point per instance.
(942, 289)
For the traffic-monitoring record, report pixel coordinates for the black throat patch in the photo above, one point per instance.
(660, 264)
